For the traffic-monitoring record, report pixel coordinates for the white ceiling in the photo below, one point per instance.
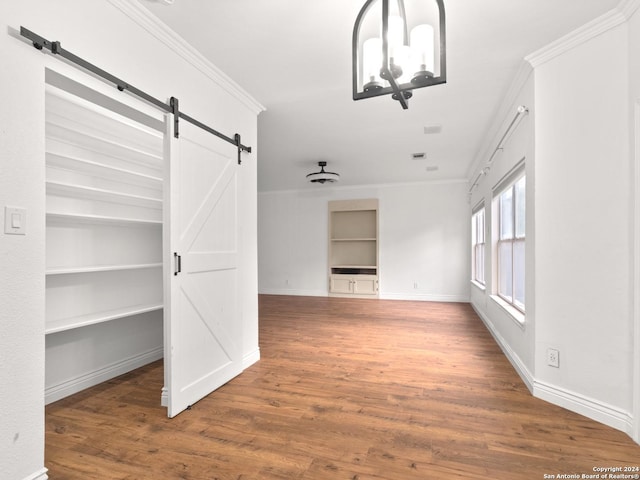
(294, 57)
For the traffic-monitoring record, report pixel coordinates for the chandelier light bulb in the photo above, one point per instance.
(402, 58)
(371, 61)
(423, 50)
(395, 36)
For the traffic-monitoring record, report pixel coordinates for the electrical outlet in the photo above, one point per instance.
(553, 357)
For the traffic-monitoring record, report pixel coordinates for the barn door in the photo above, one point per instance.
(203, 328)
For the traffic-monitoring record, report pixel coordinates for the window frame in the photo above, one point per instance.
(478, 245)
(513, 237)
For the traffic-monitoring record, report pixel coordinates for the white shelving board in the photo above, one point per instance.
(93, 318)
(100, 268)
(104, 211)
(71, 218)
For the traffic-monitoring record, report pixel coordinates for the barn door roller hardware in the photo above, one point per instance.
(41, 43)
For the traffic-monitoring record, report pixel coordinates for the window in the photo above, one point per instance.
(477, 245)
(511, 243)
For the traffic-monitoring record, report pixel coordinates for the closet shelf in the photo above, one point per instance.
(92, 141)
(91, 167)
(84, 192)
(100, 268)
(92, 319)
(99, 219)
(68, 105)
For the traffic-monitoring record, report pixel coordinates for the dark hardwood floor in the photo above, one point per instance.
(346, 389)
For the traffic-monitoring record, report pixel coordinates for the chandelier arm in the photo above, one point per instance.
(443, 41)
(385, 67)
(405, 32)
(398, 93)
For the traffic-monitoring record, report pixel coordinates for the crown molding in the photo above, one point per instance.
(628, 7)
(149, 22)
(623, 12)
(603, 23)
(333, 187)
(504, 110)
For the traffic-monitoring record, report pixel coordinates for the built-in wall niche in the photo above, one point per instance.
(353, 248)
(354, 224)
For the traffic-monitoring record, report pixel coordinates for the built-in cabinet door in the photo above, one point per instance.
(365, 285)
(203, 329)
(341, 284)
(354, 284)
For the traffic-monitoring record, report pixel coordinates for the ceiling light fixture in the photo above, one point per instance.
(322, 176)
(391, 60)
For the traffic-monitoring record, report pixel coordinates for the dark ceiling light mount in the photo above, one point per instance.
(388, 58)
(322, 176)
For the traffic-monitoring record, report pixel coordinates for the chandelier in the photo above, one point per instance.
(396, 50)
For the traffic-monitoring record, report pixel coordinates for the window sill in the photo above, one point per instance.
(478, 285)
(515, 314)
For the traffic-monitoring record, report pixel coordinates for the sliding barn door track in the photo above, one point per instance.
(41, 43)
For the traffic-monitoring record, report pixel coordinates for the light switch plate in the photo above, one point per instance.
(15, 221)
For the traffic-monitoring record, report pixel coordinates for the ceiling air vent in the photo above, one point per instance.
(432, 129)
(418, 156)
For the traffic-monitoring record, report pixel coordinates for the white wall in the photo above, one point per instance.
(580, 224)
(22, 275)
(583, 233)
(634, 121)
(101, 32)
(423, 231)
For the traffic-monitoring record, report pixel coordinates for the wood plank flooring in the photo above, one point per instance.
(346, 389)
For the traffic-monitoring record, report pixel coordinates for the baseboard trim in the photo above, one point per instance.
(77, 384)
(289, 291)
(39, 475)
(250, 358)
(591, 408)
(575, 402)
(425, 297)
(511, 355)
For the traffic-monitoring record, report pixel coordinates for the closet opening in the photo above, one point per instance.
(104, 174)
(142, 245)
